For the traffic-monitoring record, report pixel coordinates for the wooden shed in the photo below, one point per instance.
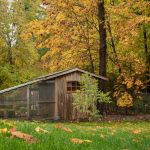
(49, 96)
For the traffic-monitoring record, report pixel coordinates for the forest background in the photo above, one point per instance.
(110, 38)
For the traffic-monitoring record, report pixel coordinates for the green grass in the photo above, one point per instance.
(104, 136)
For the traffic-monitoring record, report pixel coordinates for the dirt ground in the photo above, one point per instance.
(125, 118)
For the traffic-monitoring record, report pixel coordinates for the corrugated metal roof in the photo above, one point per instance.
(51, 76)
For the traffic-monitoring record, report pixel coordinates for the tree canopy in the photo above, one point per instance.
(108, 37)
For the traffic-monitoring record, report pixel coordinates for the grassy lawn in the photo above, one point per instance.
(101, 136)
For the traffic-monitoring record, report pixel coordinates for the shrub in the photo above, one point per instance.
(86, 98)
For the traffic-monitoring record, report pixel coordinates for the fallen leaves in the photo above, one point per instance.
(9, 123)
(137, 131)
(27, 137)
(99, 127)
(136, 140)
(102, 136)
(60, 126)
(67, 129)
(75, 140)
(40, 130)
(79, 141)
(4, 130)
(92, 129)
(18, 134)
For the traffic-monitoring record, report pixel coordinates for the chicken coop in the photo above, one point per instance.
(49, 96)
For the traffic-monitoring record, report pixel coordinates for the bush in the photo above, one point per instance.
(86, 98)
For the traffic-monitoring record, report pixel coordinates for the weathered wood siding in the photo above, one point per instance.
(64, 108)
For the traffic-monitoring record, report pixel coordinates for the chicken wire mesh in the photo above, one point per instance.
(36, 100)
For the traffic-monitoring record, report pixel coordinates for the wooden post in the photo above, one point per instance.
(56, 101)
(28, 102)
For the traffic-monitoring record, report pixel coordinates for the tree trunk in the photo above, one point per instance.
(9, 56)
(103, 47)
(89, 49)
(126, 110)
(145, 46)
(113, 46)
(146, 56)
(91, 60)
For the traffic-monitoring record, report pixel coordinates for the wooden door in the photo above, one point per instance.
(34, 102)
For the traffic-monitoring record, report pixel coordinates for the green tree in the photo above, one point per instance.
(18, 55)
(85, 99)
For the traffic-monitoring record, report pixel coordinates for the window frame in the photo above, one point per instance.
(76, 86)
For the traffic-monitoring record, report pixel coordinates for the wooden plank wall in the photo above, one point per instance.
(63, 99)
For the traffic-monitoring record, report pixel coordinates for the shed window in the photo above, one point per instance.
(73, 86)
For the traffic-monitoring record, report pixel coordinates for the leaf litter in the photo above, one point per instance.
(27, 137)
(79, 141)
(41, 130)
(60, 126)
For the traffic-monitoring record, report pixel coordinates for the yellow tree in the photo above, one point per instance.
(70, 33)
(127, 20)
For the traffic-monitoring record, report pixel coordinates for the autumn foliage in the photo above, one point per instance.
(52, 35)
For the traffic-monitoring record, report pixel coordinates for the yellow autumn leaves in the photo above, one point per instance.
(125, 100)
(4, 130)
(73, 140)
(127, 89)
(67, 33)
(30, 139)
(79, 141)
(76, 134)
(18, 134)
(41, 130)
(60, 126)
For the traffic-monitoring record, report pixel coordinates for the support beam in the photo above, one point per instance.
(28, 102)
(56, 101)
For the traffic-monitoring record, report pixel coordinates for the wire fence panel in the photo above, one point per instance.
(41, 101)
(13, 103)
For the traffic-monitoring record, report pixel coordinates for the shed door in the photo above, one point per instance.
(47, 99)
(34, 99)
